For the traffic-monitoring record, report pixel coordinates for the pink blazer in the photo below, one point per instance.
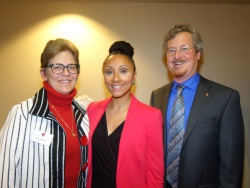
(140, 159)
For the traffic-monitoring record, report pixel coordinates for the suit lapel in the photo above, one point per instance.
(202, 96)
(163, 105)
(164, 102)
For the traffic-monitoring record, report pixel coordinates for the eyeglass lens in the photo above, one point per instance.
(59, 68)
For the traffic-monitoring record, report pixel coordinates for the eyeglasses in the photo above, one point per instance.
(185, 49)
(59, 68)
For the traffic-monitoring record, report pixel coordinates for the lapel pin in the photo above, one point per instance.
(206, 94)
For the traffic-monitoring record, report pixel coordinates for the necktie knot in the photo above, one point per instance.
(180, 88)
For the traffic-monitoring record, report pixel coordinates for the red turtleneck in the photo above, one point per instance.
(62, 104)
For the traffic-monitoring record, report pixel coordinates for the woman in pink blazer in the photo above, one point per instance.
(125, 141)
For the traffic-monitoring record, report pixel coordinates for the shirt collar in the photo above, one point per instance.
(191, 83)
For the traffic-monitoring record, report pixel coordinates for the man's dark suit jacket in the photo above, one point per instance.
(212, 154)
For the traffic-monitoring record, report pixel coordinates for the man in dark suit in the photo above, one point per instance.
(210, 150)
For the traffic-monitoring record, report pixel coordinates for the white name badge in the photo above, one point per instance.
(41, 137)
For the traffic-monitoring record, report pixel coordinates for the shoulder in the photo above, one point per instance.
(84, 100)
(18, 114)
(97, 103)
(162, 89)
(23, 106)
(216, 88)
(146, 114)
(145, 108)
(98, 106)
(149, 112)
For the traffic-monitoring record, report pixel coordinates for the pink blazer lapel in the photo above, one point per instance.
(127, 130)
(96, 115)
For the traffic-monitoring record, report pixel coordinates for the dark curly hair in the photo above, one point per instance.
(123, 48)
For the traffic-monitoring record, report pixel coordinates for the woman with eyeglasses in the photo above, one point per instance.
(43, 142)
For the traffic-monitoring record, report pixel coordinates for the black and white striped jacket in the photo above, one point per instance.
(24, 163)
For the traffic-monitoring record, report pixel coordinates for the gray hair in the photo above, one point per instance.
(53, 47)
(179, 28)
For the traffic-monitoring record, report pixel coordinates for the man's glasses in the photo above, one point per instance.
(185, 49)
(59, 68)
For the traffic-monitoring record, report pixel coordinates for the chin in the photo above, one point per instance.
(116, 96)
(178, 75)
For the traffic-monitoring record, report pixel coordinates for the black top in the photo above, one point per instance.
(105, 155)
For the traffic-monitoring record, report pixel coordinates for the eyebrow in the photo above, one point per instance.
(112, 67)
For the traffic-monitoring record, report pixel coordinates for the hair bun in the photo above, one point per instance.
(122, 47)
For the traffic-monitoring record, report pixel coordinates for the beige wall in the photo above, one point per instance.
(26, 27)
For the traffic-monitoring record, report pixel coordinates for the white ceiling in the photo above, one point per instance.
(177, 1)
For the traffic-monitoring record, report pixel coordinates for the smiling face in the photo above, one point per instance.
(64, 82)
(182, 65)
(118, 74)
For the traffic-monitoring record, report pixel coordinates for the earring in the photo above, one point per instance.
(133, 82)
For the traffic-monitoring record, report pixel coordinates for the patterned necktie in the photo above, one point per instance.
(175, 137)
